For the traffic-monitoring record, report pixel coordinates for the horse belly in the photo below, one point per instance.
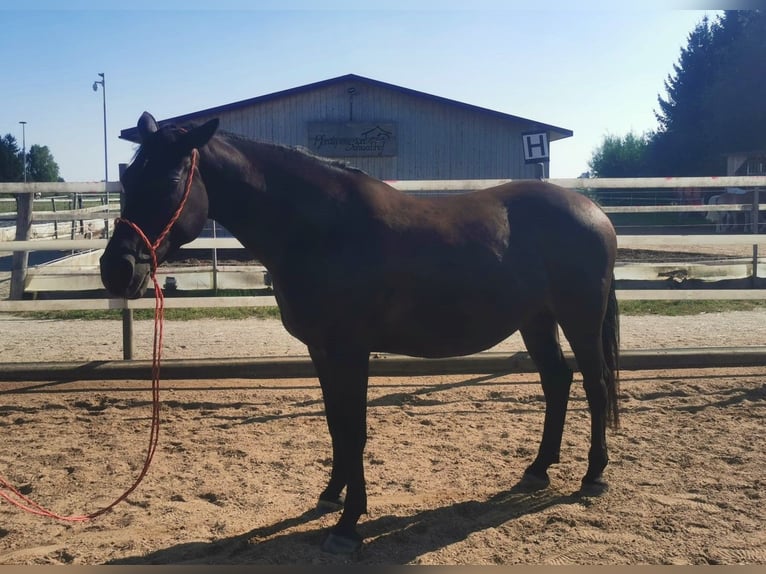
(447, 331)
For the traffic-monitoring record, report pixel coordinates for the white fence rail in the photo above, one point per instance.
(624, 241)
(423, 187)
(60, 187)
(581, 184)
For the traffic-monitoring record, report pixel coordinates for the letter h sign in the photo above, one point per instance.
(535, 146)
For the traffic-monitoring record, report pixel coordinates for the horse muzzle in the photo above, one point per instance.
(122, 276)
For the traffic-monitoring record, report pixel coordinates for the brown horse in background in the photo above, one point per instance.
(359, 267)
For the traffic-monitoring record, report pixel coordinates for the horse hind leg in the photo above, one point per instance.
(589, 353)
(540, 335)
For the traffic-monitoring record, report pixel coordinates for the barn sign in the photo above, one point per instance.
(352, 139)
(535, 146)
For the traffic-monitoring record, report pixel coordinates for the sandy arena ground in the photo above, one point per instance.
(241, 462)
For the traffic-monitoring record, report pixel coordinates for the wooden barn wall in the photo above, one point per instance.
(435, 141)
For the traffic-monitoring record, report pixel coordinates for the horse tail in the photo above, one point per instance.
(610, 337)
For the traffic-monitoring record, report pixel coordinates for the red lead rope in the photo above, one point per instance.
(12, 494)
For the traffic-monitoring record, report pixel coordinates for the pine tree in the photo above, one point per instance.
(714, 102)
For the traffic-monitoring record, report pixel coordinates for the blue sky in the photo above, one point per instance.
(595, 70)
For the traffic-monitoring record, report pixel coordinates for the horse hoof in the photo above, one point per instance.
(328, 506)
(593, 486)
(532, 482)
(337, 544)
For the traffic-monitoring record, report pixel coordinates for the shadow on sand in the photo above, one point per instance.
(392, 540)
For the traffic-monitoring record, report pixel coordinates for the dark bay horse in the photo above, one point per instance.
(358, 267)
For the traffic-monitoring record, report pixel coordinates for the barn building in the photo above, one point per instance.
(746, 163)
(391, 132)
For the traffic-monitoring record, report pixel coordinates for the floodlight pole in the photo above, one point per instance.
(96, 84)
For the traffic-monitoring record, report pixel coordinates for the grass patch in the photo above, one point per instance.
(665, 308)
(680, 308)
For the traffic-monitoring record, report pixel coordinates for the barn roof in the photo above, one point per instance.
(555, 133)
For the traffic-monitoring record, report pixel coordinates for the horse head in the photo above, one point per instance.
(166, 204)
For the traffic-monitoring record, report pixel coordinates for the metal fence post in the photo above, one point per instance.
(55, 221)
(127, 314)
(756, 220)
(127, 334)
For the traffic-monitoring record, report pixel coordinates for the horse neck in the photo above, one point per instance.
(258, 191)
(225, 174)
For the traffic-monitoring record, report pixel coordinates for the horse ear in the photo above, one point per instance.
(199, 136)
(147, 125)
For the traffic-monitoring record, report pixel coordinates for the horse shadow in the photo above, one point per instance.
(389, 539)
(718, 398)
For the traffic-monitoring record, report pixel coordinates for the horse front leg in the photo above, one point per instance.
(343, 376)
(542, 341)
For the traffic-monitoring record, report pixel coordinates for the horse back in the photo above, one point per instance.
(532, 214)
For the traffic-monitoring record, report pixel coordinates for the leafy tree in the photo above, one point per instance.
(10, 160)
(620, 156)
(41, 165)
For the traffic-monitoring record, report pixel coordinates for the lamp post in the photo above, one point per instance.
(24, 148)
(96, 84)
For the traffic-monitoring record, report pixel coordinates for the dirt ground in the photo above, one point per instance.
(240, 463)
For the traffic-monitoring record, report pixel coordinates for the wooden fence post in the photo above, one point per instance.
(20, 259)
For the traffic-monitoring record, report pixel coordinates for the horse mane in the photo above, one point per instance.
(289, 153)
